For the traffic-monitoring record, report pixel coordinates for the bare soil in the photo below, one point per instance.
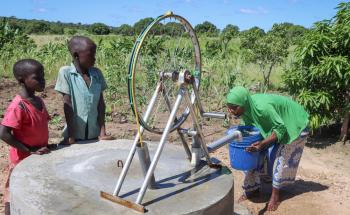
(323, 179)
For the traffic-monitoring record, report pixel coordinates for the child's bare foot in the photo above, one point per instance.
(106, 137)
(245, 196)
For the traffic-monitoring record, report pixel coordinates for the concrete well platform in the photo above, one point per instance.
(69, 181)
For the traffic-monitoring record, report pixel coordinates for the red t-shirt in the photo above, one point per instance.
(29, 126)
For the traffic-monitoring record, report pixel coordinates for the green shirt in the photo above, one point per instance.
(271, 113)
(84, 99)
(281, 115)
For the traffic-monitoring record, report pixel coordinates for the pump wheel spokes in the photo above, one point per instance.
(167, 46)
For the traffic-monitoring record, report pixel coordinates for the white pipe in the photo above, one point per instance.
(225, 140)
(160, 147)
(133, 147)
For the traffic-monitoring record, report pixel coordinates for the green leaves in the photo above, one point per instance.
(317, 103)
(212, 48)
(267, 50)
(99, 29)
(319, 77)
(207, 28)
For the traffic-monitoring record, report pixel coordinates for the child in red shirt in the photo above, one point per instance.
(25, 123)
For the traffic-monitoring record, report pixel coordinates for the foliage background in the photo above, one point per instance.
(311, 65)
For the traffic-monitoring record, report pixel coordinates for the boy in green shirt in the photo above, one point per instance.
(82, 87)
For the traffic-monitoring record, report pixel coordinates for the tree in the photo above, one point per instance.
(289, 32)
(12, 41)
(99, 29)
(320, 75)
(250, 36)
(266, 50)
(15, 24)
(227, 34)
(140, 25)
(212, 48)
(173, 29)
(231, 30)
(37, 27)
(11, 38)
(70, 31)
(269, 51)
(207, 29)
(56, 29)
(125, 30)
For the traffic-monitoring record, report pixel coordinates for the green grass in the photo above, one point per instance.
(220, 71)
(56, 120)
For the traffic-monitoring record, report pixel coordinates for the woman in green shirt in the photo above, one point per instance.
(281, 121)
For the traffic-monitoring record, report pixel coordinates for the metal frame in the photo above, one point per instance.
(133, 147)
(196, 134)
(199, 146)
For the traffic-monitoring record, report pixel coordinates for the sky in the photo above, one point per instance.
(243, 13)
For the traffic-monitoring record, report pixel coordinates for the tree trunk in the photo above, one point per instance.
(225, 46)
(262, 70)
(344, 127)
(267, 77)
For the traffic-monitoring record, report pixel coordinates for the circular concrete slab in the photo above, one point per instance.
(69, 181)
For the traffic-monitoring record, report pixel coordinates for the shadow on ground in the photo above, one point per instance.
(299, 187)
(325, 136)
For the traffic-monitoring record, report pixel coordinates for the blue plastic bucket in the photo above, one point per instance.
(239, 158)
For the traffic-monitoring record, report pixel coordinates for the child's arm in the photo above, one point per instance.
(101, 108)
(69, 114)
(7, 137)
(63, 87)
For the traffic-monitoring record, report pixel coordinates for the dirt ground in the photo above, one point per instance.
(323, 179)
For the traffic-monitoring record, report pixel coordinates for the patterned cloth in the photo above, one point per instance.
(283, 161)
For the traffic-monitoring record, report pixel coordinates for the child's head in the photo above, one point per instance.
(83, 51)
(30, 73)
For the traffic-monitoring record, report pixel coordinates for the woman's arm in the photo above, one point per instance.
(262, 144)
(278, 130)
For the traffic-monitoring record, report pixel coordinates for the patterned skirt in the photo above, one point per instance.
(282, 164)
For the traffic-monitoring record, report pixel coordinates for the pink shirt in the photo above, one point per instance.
(30, 126)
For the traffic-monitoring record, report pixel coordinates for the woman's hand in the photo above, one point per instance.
(255, 147)
(258, 146)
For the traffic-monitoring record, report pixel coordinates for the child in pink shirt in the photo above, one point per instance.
(25, 123)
